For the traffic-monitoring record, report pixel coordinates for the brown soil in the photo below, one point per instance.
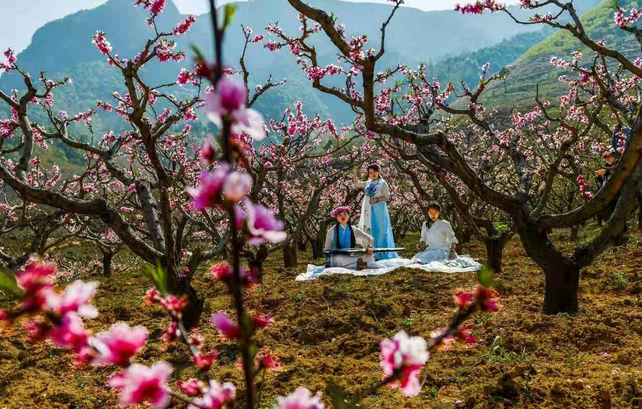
(328, 331)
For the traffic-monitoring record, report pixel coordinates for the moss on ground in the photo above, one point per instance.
(328, 331)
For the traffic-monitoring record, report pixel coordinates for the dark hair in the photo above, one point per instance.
(375, 167)
(434, 205)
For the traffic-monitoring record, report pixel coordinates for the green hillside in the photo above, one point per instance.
(467, 66)
(534, 66)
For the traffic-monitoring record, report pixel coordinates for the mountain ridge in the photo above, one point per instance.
(63, 47)
(534, 66)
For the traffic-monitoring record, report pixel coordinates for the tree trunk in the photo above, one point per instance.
(562, 273)
(562, 283)
(289, 255)
(639, 210)
(494, 253)
(404, 230)
(301, 244)
(397, 224)
(107, 257)
(179, 284)
(317, 248)
(318, 243)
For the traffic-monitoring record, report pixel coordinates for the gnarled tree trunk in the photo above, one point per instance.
(302, 245)
(639, 195)
(318, 243)
(107, 258)
(180, 284)
(494, 253)
(290, 255)
(317, 247)
(562, 273)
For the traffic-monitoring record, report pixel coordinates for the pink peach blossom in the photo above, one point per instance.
(139, 384)
(119, 344)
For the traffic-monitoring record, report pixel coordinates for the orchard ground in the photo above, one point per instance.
(328, 331)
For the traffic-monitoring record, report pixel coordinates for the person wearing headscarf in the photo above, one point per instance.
(345, 236)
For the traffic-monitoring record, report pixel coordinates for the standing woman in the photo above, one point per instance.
(375, 219)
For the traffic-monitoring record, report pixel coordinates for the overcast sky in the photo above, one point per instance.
(19, 19)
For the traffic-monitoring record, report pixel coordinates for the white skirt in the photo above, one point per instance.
(429, 255)
(350, 262)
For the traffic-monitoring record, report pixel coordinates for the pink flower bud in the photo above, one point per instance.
(266, 359)
(205, 361)
(208, 155)
(216, 396)
(463, 298)
(74, 299)
(100, 41)
(157, 7)
(152, 296)
(228, 97)
(139, 384)
(466, 335)
(119, 344)
(261, 224)
(261, 320)
(36, 281)
(404, 356)
(171, 334)
(70, 333)
(225, 326)
(236, 186)
(222, 271)
(208, 192)
(300, 399)
(174, 304)
(191, 387)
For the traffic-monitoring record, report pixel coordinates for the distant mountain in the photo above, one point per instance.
(534, 66)
(467, 66)
(64, 48)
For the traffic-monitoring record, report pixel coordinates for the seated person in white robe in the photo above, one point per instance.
(439, 238)
(345, 236)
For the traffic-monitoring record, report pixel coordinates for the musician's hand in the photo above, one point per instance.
(369, 251)
(453, 254)
(600, 172)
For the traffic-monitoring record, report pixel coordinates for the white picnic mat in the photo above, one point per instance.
(462, 264)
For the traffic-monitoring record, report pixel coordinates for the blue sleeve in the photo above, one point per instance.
(615, 137)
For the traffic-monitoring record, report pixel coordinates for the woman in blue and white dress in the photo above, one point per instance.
(345, 236)
(439, 238)
(375, 219)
